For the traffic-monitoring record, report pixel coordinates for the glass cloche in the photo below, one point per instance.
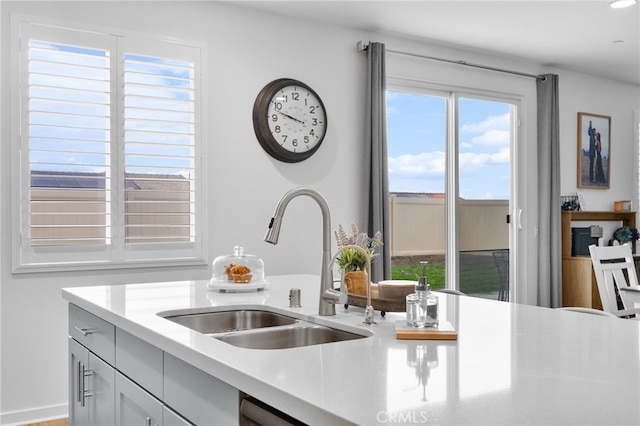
(238, 268)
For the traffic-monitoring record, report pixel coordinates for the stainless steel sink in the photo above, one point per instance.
(236, 320)
(261, 329)
(302, 334)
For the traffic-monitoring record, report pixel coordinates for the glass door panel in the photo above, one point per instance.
(416, 139)
(484, 176)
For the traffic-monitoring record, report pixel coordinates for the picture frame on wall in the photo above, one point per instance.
(594, 150)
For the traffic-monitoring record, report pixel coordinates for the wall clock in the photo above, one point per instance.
(289, 120)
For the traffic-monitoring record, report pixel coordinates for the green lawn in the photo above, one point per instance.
(473, 278)
(435, 274)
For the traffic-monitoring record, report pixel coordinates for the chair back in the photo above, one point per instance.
(615, 273)
(501, 259)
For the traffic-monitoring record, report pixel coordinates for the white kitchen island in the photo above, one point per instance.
(512, 364)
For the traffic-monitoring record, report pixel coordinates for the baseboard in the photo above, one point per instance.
(34, 415)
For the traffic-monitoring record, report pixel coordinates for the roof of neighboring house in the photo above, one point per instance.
(88, 180)
(156, 182)
(51, 179)
(417, 194)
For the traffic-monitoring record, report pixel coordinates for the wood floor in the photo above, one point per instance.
(61, 422)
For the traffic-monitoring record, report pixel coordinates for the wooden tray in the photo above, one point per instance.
(383, 305)
(444, 331)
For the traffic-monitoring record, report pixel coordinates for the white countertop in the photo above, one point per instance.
(512, 364)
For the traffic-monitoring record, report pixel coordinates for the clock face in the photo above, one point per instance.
(290, 120)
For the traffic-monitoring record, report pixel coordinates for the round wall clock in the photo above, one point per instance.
(289, 120)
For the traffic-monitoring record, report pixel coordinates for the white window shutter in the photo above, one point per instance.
(108, 154)
(69, 138)
(159, 144)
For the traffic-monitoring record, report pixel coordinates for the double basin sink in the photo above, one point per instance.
(261, 329)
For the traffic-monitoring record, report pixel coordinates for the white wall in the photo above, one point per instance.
(246, 50)
(581, 93)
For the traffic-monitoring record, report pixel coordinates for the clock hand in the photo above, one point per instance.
(288, 116)
(291, 117)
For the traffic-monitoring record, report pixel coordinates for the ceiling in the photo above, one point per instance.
(586, 36)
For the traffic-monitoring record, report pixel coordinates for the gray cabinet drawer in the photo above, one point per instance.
(140, 361)
(200, 398)
(134, 406)
(93, 333)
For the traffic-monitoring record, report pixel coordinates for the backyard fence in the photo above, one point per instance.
(418, 225)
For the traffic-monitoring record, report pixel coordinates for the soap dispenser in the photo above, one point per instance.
(422, 306)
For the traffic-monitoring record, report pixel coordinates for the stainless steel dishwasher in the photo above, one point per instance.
(257, 413)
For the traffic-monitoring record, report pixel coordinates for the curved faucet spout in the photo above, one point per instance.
(328, 298)
(274, 226)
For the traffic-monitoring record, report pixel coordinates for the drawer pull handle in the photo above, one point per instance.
(85, 331)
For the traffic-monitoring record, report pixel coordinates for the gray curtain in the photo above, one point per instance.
(376, 175)
(549, 248)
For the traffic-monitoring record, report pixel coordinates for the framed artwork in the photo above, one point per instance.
(594, 148)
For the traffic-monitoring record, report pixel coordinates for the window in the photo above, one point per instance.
(108, 150)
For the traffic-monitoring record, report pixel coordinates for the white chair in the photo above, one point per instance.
(617, 280)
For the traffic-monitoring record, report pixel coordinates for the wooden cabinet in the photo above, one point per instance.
(579, 286)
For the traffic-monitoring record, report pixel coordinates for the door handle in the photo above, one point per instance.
(84, 393)
(80, 379)
(519, 218)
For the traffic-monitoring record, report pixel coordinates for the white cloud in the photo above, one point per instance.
(503, 156)
(470, 162)
(490, 123)
(493, 131)
(433, 163)
(423, 164)
(492, 138)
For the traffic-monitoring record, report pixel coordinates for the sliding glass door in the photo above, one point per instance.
(450, 181)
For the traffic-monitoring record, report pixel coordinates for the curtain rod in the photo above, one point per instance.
(362, 46)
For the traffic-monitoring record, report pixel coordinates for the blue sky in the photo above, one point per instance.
(417, 143)
(70, 111)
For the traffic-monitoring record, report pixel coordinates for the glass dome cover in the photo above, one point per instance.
(238, 268)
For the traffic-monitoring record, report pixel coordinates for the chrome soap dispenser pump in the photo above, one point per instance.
(422, 306)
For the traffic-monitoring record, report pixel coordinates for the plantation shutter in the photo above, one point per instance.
(108, 155)
(159, 138)
(69, 138)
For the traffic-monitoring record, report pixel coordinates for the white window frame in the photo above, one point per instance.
(636, 153)
(26, 259)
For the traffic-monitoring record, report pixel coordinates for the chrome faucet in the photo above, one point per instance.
(328, 296)
(368, 310)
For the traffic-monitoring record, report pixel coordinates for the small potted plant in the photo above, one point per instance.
(353, 262)
(626, 234)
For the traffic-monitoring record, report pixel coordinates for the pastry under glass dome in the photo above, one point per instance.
(237, 268)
